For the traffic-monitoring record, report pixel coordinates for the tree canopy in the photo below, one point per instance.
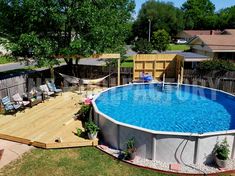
(161, 40)
(226, 18)
(199, 14)
(193, 15)
(162, 16)
(68, 26)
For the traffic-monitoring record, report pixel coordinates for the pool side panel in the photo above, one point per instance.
(175, 149)
(143, 141)
(109, 131)
(207, 144)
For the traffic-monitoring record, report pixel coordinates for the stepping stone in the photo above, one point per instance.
(175, 167)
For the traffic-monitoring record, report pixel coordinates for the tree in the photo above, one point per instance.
(81, 26)
(142, 46)
(226, 18)
(162, 15)
(161, 40)
(197, 14)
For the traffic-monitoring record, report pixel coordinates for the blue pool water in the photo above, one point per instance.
(186, 109)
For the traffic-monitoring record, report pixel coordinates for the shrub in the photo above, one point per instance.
(160, 40)
(212, 65)
(83, 113)
(91, 127)
(142, 46)
(221, 150)
(79, 131)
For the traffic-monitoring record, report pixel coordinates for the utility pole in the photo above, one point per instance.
(149, 30)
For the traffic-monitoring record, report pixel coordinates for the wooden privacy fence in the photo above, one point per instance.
(216, 79)
(157, 65)
(23, 83)
(13, 85)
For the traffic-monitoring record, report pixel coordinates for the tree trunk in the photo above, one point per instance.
(52, 74)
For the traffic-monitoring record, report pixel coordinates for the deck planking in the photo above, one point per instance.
(42, 124)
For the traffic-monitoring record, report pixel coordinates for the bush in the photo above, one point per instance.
(91, 127)
(215, 65)
(160, 40)
(142, 46)
(221, 150)
(83, 113)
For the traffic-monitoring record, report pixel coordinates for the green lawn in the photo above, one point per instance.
(178, 47)
(86, 161)
(128, 63)
(6, 59)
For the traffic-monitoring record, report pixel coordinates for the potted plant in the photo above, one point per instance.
(221, 152)
(130, 152)
(83, 113)
(92, 129)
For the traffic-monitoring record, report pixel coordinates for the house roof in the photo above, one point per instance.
(217, 42)
(189, 56)
(229, 32)
(193, 33)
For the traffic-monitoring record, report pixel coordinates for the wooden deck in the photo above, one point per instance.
(42, 124)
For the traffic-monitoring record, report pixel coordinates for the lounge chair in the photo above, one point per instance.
(10, 106)
(53, 88)
(18, 99)
(46, 91)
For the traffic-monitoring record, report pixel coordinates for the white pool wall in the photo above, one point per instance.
(171, 147)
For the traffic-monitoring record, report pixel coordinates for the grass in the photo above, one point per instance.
(181, 47)
(86, 161)
(128, 63)
(6, 59)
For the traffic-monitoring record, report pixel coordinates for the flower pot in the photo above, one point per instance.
(221, 163)
(92, 136)
(132, 156)
(1, 153)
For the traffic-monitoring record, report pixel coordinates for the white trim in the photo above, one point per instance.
(222, 51)
(197, 60)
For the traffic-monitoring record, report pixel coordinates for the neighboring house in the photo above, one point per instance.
(215, 46)
(228, 32)
(189, 34)
(191, 60)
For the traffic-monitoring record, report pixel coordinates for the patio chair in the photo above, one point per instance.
(18, 99)
(46, 91)
(10, 106)
(53, 88)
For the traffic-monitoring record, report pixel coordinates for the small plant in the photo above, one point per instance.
(79, 131)
(221, 150)
(91, 127)
(83, 113)
(129, 153)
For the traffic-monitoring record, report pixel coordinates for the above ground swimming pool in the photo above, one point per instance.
(177, 115)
